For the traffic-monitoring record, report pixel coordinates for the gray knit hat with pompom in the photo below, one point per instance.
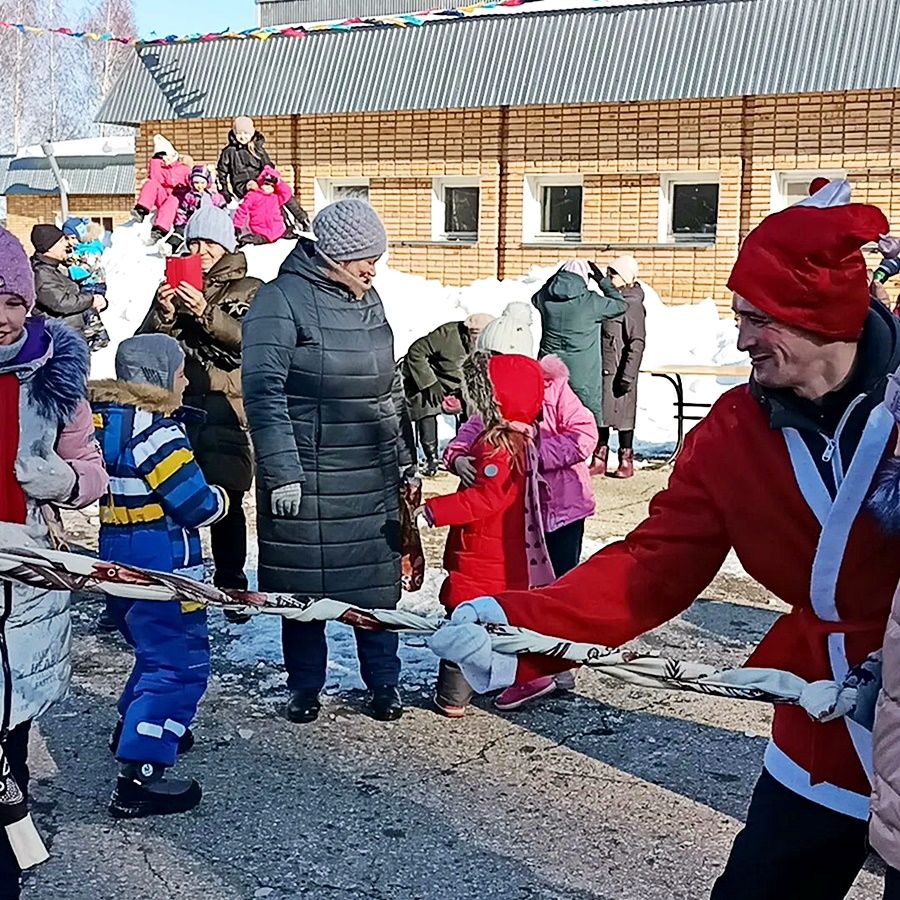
(350, 229)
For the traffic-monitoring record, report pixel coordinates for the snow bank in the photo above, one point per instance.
(693, 335)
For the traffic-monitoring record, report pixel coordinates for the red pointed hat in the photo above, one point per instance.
(804, 267)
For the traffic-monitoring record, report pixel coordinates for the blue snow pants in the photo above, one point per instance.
(171, 670)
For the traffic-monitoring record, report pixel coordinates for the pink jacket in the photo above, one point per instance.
(169, 177)
(568, 440)
(260, 213)
(884, 829)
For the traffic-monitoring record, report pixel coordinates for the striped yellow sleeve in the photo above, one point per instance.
(169, 466)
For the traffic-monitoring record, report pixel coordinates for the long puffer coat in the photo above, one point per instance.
(212, 348)
(324, 405)
(622, 350)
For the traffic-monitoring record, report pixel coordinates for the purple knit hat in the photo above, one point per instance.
(16, 275)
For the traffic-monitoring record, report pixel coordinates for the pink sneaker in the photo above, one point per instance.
(519, 694)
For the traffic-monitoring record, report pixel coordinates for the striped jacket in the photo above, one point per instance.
(158, 498)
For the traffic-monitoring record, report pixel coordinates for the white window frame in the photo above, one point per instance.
(783, 177)
(324, 188)
(439, 207)
(667, 182)
(532, 208)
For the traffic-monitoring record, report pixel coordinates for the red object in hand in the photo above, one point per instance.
(184, 268)
(451, 405)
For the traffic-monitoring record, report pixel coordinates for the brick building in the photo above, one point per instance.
(99, 177)
(493, 143)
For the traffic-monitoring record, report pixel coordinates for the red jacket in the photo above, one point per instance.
(734, 485)
(485, 551)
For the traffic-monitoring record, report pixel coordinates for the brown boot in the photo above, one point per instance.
(598, 463)
(626, 465)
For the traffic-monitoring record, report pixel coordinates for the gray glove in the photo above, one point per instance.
(286, 500)
(46, 479)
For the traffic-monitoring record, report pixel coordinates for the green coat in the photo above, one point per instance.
(570, 317)
(432, 368)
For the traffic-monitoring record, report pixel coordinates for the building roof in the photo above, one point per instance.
(90, 166)
(643, 51)
(287, 12)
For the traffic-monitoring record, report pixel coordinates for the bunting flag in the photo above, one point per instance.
(405, 20)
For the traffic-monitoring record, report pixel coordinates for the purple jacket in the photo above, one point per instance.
(568, 440)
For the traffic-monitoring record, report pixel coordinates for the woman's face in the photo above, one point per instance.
(244, 137)
(13, 313)
(363, 269)
(208, 251)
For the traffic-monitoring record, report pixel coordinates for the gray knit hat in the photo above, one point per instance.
(350, 229)
(149, 359)
(210, 223)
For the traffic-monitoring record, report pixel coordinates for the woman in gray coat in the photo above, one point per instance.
(326, 409)
(622, 349)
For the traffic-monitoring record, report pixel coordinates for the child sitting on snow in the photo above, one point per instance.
(496, 541)
(167, 171)
(157, 502)
(191, 196)
(259, 218)
(86, 270)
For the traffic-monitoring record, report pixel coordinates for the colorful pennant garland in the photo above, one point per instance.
(405, 20)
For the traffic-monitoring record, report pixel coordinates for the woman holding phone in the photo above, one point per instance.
(201, 306)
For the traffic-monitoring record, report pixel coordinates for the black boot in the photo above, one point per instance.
(139, 213)
(105, 623)
(303, 707)
(386, 705)
(453, 693)
(185, 742)
(157, 234)
(141, 790)
(431, 460)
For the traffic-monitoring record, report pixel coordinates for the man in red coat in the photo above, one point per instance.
(780, 471)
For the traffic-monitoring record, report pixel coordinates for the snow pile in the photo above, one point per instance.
(692, 335)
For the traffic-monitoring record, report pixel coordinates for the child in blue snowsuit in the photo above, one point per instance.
(158, 500)
(86, 270)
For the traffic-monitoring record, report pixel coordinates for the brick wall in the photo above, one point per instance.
(619, 150)
(24, 211)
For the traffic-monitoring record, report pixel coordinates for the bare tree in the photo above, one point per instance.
(19, 77)
(108, 58)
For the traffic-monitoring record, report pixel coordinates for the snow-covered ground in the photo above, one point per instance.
(694, 335)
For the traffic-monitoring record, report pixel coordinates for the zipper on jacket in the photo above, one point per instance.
(832, 452)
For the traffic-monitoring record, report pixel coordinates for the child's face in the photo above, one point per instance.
(179, 384)
(244, 137)
(267, 188)
(200, 185)
(13, 313)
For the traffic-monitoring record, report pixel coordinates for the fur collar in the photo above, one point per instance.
(58, 386)
(143, 396)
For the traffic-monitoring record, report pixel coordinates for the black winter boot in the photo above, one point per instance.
(452, 694)
(139, 213)
(303, 707)
(431, 460)
(386, 705)
(141, 790)
(185, 742)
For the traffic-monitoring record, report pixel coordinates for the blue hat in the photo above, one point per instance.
(76, 228)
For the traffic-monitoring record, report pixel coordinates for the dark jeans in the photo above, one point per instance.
(427, 431)
(306, 656)
(16, 749)
(229, 545)
(792, 848)
(626, 438)
(564, 547)
(892, 884)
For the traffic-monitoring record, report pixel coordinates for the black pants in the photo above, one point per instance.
(16, 749)
(306, 656)
(792, 848)
(892, 884)
(229, 545)
(626, 438)
(427, 429)
(564, 547)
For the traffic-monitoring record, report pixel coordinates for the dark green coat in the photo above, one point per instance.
(432, 368)
(212, 349)
(570, 317)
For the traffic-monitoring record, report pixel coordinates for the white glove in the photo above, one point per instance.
(46, 479)
(465, 469)
(286, 500)
(892, 396)
(422, 522)
(825, 701)
(13, 535)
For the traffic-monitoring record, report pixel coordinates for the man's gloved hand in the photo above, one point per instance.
(621, 386)
(50, 479)
(286, 500)
(464, 467)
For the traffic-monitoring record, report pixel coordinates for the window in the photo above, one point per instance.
(454, 209)
(553, 206)
(792, 186)
(689, 207)
(330, 190)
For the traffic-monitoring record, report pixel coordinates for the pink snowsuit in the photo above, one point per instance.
(189, 202)
(260, 213)
(158, 192)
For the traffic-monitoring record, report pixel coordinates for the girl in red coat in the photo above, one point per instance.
(496, 538)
